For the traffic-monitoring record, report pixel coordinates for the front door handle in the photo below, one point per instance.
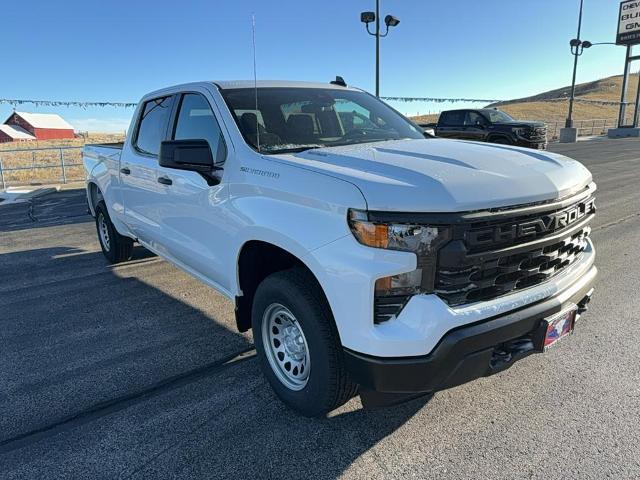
(165, 180)
(125, 170)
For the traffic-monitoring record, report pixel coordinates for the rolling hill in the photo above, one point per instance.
(543, 107)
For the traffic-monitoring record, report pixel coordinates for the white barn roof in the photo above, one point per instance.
(45, 120)
(17, 133)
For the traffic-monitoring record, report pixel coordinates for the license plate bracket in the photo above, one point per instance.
(559, 326)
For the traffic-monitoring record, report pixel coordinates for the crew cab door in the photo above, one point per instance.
(138, 168)
(191, 210)
(451, 124)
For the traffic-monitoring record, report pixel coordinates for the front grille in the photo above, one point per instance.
(537, 134)
(472, 269)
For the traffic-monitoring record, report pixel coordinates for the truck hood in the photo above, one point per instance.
(438, 175)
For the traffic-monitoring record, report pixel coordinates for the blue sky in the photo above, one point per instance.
(118, 50)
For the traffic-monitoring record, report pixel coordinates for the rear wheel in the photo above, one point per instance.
(298, 345)
(115, 247)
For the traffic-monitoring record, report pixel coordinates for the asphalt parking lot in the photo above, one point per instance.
(137, 371)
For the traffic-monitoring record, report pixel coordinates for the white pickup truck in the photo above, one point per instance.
(365, 257)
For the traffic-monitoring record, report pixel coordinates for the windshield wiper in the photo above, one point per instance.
(292, 149)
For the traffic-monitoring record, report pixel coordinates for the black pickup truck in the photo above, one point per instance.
(489, 125)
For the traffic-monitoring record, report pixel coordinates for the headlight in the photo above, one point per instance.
(393, 236)
(423, 240)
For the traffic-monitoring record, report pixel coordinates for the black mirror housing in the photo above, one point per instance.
(193, 155)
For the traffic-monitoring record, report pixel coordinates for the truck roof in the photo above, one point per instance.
(482, 109)
(229, 84)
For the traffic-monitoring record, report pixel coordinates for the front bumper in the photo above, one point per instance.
(470, 351)
(536, 145)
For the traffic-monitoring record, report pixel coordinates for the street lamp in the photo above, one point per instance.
(389, 21)
(577, 48)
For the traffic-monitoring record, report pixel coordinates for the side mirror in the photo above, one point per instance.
(193, 155)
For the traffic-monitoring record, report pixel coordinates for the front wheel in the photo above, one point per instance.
(298, 345)
(115, 247)
(501, 141)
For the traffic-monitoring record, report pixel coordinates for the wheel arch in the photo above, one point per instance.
(94, 195)
(258, 259)
(493, 136)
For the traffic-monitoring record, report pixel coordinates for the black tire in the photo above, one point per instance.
(115, 247)
(328, 385)
(501, 141)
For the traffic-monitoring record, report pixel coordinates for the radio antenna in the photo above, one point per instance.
(255, 77)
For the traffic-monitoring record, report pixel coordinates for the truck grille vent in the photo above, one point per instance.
(385, 307)
(488, 275)
(537, 134)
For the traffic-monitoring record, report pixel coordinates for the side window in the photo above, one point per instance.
(474, 119)
(196, 121)
(153, 125)
(452, 118)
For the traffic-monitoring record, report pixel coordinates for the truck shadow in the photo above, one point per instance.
(59, 208)
(85, 341)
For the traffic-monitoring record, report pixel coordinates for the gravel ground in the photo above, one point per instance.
(137, 371)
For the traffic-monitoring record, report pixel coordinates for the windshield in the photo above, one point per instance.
(496, 116)
(296, 119)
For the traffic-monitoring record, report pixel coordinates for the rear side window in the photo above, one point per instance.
(452, 118)
(197, 122)
(153, 125)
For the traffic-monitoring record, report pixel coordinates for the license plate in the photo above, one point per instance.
(559, 326)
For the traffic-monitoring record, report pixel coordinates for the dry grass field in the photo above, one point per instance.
(589, 117)
(41, 161)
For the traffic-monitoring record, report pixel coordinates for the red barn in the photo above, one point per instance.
(13, 133)
(43, 126)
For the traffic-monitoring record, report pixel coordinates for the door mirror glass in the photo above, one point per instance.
(193, 155)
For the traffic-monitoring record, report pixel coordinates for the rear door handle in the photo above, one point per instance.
(125, 170)
(165, 180)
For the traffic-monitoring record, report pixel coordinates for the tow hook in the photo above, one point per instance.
(583, 304)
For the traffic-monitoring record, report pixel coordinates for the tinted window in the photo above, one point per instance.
(300, 118)
(196, 122)
(497, 116)
(153, 125)
(452, 118)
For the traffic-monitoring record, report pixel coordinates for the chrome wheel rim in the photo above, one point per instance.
(285, 346)
(103, 231)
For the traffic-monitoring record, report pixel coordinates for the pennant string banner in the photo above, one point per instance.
(439, 100)
(56, 103)
(478, 100)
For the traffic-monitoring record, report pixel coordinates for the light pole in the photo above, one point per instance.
(389, 21)
(576, 50)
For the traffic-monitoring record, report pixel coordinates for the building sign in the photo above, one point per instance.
(629, 23)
